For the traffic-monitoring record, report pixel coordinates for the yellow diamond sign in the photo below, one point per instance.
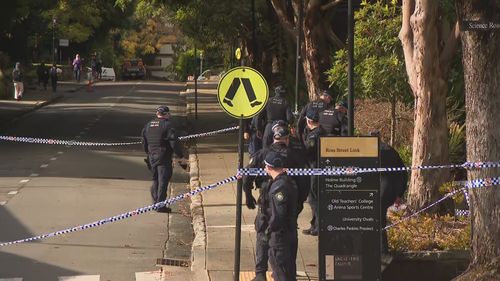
(242, 92)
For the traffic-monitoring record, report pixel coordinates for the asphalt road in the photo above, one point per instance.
(45, 188)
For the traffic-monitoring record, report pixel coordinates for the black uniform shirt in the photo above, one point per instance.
(282, 210)
(160, 141)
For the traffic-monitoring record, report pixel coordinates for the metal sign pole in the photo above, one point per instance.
(350, 50)
(239, 195)
(195, 87)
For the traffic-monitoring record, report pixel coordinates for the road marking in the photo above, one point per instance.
(24, 181)
(1, 204)
(53, 159)
(44, 165)
(11, 279)
(80, 278)
(34, 175)
(60, 152)
(13, 192)
(148, 276)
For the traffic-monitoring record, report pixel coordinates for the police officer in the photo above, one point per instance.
(295, 159)
(250, 135)
(334, 120)
(311, 140)
(277, 108)
(282, 213)
(324, 102)
(160, 142)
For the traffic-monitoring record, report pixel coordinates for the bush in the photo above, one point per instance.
(429, 232)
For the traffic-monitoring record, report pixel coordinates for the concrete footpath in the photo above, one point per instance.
(33, 98)
(214, 159)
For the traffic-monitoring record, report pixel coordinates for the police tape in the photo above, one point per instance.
(85, 143)
(477, 183)
(209, 133)
(337, 171)
(124, 215)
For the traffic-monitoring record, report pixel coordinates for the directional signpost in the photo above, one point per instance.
(349, 211)
(242, 93)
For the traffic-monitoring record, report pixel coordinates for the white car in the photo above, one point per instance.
(108, 73)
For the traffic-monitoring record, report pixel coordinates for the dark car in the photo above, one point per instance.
(133, 68)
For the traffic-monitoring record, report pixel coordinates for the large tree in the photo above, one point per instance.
(428, 50)
(319, 42)
(481, 61)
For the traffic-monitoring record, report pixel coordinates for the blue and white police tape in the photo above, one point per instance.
(477, 183)
(209, 133)
(62, 142)
(124, 215)
(85, 143)
(336, 171)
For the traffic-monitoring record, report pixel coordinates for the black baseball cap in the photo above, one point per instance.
(312, 114)
(275, 160)
(280, 132)
(163, 109)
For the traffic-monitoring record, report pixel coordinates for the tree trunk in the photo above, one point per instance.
(481, 60)
(393, 120)
(419, 36)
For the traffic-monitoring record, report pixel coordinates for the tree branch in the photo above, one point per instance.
(331, 4)
(406, 37)
(281, 12)
(449, 48)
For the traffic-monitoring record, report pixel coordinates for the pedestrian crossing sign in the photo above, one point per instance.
(242, 92)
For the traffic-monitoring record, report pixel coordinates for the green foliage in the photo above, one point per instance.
(429, 232)
(186, 64)
(456, 142)
(380, 70)
(405, 152)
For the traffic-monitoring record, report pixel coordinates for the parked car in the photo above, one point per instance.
(133, 68)
(108, 73)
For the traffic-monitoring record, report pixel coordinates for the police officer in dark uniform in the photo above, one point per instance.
(160, 142)
(295, 159)
(282, 213)
(277, 108)
(334, 120)
(311, 142)
(324, 102)
(251, 136)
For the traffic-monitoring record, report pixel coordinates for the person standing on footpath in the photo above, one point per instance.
(77, 67)
(294, 159)
(311, 140)
(160, 142)
(277, 108)
(282, 213)
(324, 102)
(17, 79)
(53, 77)
(334, 120)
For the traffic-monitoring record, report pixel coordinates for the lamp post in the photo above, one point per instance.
(53, 40)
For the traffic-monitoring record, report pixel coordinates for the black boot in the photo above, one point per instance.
(260, 276)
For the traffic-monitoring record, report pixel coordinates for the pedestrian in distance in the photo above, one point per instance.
(77, 67)
(282, 213)
(160, 142)
(277, 108)
(17, 79)
(53, 77)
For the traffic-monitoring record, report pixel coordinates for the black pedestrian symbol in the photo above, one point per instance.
(231, 92)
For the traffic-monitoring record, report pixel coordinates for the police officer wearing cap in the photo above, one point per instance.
(311, 140)
(334, 120)
(282, 213)
(295, 159)
(324, 102)
(160, 143)
(277, 108)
